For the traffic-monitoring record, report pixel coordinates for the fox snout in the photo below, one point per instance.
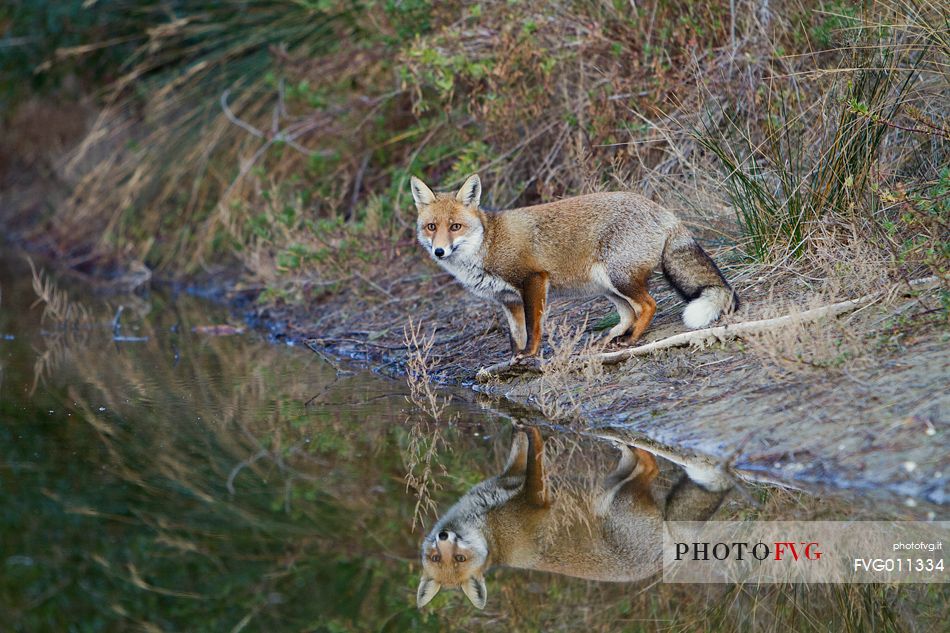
(446, 548)
(440, 246)
(441, 249)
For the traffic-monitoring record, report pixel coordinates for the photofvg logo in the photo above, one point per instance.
(804, 551)
(739, 550)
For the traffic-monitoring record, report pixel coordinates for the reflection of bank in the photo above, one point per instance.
(607, 531)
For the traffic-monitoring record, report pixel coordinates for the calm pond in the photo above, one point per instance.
(158, 473)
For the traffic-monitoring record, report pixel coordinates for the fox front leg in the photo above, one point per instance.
(535, 485)
(517, 334)
(534, 296)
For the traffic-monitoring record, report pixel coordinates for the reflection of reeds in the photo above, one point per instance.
(312, 526)
(66, 314)
(215, 464)
(573, 473)
(57, 306)
(58, 350)
(425, 434)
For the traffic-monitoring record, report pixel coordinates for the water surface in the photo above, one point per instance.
(159, 472)
(159, 478)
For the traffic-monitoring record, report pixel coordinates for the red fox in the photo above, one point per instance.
(602, 244)
(613, 533)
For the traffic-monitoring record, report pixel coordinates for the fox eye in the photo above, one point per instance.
(430, 226)
(455, 227)
(435, 558)
(459, 558)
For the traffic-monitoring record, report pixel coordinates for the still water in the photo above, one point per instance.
(180, 479)
(160, 471)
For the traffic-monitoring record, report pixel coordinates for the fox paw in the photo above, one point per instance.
(524, 360)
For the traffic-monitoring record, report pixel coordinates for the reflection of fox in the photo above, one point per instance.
(602, 244)
(514, 520)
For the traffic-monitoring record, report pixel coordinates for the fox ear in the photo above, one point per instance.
(420, 192)
(471, 192)
(474, 589)
(428, 588)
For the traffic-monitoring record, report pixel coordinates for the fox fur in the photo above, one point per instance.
(601, 244)
(514, 520)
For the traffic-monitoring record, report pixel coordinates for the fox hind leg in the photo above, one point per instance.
(634, 291)
(644, 317)
(633, 475)
(624, 469)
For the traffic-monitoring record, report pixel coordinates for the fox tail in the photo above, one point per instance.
(696, 277)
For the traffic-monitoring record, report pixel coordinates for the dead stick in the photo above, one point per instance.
(720, 333)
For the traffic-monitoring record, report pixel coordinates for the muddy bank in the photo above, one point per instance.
(874, 423)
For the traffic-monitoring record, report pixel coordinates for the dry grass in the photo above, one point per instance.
(287, 145)
(567, 369)
(816, 346)
(425, 440)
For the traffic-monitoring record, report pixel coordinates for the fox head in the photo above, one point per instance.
(449, 226)
(455, 553)
(453, 556)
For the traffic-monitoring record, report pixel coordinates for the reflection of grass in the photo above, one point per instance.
(425, 431)
(314, 532)
(57, 306)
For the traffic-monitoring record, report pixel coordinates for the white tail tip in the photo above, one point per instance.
(700, 312)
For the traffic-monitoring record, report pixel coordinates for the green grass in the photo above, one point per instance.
(799, 176)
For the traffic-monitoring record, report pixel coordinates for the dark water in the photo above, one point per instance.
(177, 480)
(158, 478)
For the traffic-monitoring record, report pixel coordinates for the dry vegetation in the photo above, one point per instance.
(284, 135)
(804, 141)
(425, 441)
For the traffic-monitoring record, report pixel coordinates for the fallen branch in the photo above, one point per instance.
(713, 334)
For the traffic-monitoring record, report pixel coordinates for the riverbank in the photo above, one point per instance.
(856, 402)
(865, 422)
